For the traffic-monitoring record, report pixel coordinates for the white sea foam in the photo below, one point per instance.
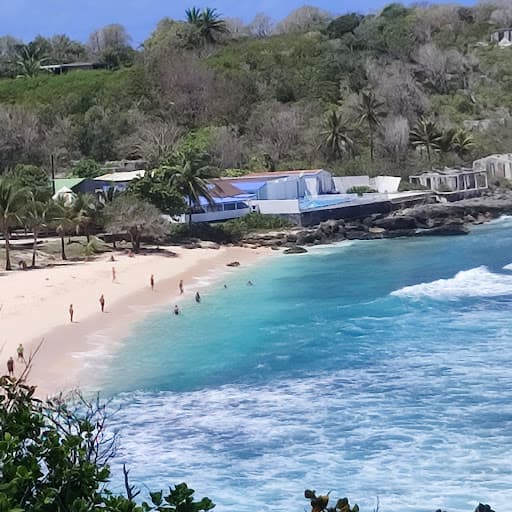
(476, 282)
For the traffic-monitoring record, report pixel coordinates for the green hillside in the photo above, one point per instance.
(357, 94)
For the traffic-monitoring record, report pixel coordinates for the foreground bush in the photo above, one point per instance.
(54, 458)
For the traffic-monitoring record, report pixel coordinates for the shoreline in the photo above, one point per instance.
(61, 363)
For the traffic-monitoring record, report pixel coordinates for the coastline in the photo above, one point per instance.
(35, 306)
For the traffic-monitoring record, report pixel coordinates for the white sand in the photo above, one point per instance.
(34, 304)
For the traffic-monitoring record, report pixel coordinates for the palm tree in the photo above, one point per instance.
(336, 138)
(462, 143)
(188, 177)
(369, 110)
(209, 23)
(12, 200)
(36, 216)
(64, 220)
(426, 135)
(86, 212)
(30, 57)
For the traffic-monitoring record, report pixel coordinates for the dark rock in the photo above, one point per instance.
(483, 508)
(295, 250)
(305, 237)
(355, 226)
(357, 235)
(397, 222)
(193, 245)
(446, 230)
(397, 233)
(291, 237)
(233, 264)
(275, 248)
(329, 227)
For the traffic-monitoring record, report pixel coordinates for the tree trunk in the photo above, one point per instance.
(34, 248)
(7, 250)
(190, 217)
(62, 248)
(371, 145)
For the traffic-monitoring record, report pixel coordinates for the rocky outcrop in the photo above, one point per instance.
(438, 219)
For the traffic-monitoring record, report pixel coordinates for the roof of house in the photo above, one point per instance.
(220, 189)
(448, 172)
(121, 176)
(68, 182)
(273, 175)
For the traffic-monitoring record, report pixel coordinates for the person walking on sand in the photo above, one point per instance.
(113, 274)
(181, 286)
(198, 297)
(71, 313)
(176, 310)
(20, 351)
(102, 303)
(10, 366)
(152, 282)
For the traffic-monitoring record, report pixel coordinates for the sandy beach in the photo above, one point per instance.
(34, 305)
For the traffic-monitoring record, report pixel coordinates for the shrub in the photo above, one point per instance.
(361, 190)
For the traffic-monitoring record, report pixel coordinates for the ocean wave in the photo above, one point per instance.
(476, 282)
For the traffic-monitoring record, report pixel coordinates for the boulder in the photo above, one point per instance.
(192, 245)
(291, 237)
(329, 227)
(376, 231)
(396, 222)
(483, 508)
(233, 264)
(305, 237)
(296, 250)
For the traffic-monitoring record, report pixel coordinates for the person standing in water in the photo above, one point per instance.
(102, 303)
(10, 366)
(152, 282)
(180, 286)
(71, 313)
(176, 310)
(20, 350)
(198, 297)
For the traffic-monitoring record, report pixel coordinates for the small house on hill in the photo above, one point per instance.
(501, 34)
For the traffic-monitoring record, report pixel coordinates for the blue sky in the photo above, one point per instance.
(78, 18)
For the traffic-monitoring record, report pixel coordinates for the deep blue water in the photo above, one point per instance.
(376, 369)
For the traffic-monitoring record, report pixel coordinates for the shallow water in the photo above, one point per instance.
(376, 369)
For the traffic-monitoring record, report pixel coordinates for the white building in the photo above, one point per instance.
(448, 181)
(497, 166)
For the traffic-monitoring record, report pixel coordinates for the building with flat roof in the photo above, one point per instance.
(497, 166)
(450, 181)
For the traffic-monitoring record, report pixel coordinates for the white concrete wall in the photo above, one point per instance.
(286, 188)
(385, 184)
(344, 183)
(276, 206)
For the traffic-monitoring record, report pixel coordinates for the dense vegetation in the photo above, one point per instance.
(383, 93)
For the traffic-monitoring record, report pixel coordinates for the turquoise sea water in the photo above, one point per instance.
(376, 369)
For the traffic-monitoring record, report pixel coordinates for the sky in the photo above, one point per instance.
(78, 18)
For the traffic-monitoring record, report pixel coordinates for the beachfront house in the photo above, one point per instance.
(118, 180)
(496, 166)
(450, 182)
(229, 202)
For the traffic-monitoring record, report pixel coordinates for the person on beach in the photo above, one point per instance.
(113, 274)
(102, 303)
(198, 297)
(176, 310)
(71, 313)
(20, 351)
(180, 286)
(10, 366)
(112, 258)
(152, 282)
